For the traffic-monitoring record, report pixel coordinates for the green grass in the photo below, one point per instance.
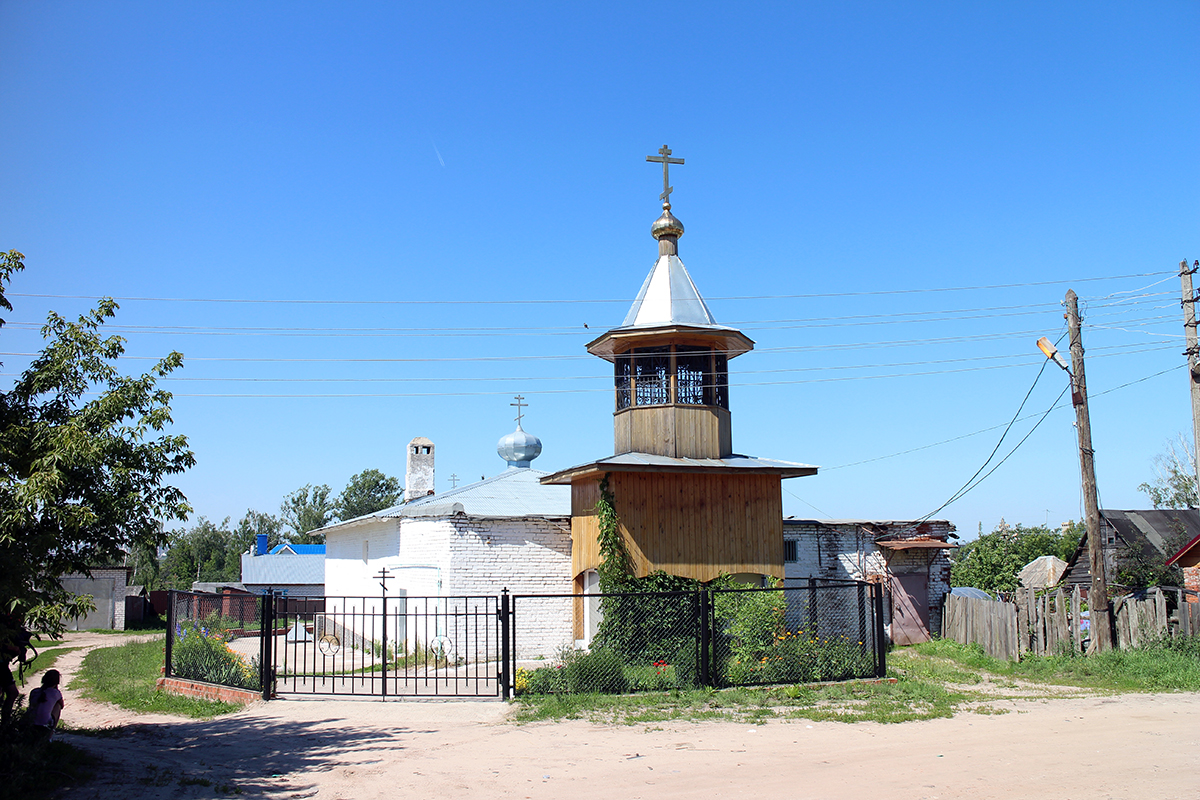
(848, 702)
(1158, 667)
(125, 676)
(936, 679)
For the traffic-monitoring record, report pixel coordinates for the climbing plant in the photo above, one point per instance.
(616, 567)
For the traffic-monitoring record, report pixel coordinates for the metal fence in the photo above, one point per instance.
(487, 646)
(390, 646)
(216, 639)
(624, 642)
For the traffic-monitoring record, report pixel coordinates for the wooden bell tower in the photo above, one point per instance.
(686, 503)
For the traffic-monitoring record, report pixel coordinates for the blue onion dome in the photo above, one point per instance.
(519, 448)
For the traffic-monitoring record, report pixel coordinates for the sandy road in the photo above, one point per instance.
(1085, 747)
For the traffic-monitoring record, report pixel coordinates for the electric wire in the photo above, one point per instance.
(823, 295)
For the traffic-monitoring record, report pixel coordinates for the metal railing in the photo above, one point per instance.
(646, 641)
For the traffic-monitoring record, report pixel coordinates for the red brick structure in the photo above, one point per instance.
(1189, 559)
(206, 691)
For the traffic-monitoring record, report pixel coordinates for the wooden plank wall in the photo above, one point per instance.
(693, 525)
(679, 431)
(992, 624)
(1140, 620)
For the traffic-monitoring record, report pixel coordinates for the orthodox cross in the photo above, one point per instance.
(454, 480)
(518, 405)
(384, 575)
(664, 157)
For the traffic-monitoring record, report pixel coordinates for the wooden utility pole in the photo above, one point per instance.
(1193, 357)
(1101, 622)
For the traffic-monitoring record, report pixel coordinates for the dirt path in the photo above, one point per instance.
(1080, 747)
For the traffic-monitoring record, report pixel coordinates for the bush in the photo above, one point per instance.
(202, 653)
(600, 670)
(543, 680)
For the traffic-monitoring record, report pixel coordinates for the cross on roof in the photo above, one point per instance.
(664, 157)
(519, 400)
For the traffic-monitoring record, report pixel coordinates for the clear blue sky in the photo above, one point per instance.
(395, 158)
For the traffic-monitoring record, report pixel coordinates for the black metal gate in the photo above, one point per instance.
(384, 646)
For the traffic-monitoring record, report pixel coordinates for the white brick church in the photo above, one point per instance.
(507, 531)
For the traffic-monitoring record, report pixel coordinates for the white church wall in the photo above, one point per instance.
(527, 556)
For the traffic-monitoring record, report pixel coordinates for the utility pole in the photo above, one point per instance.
(1193, 356)
(1101, 623)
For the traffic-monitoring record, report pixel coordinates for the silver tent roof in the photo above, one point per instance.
(668, 297)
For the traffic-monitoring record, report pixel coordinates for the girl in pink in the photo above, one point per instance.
(46, 702)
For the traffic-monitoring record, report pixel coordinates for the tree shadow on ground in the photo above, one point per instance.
(245, 755)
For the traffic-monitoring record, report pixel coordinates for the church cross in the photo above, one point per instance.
(454, 480)
(665, 159)
(519, 400)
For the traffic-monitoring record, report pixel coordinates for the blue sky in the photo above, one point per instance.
(421, 208)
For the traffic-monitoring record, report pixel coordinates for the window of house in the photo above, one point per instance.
(790, 554)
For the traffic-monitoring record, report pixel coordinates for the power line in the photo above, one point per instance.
(882, 292)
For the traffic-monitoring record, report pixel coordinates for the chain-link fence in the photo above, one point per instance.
(821, 631)
(215, 638)
(628, 642)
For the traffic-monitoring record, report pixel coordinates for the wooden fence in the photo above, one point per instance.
(1051, 621)
(989, 623)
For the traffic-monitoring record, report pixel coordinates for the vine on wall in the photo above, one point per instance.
(616, 567)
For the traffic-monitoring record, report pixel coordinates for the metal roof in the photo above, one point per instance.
(287, 548)
(648, 462)
(516, 492)
(284, 568)
(668, 297)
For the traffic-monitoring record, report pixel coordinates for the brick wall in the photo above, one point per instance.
(206, 691)
(838, 550)
(1191, 580)
(528, 555)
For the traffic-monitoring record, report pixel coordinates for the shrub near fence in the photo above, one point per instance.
(200, 642)
(726, 637)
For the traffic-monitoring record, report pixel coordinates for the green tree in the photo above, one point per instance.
(992, 562)
(204, 552)
(245, 535)
(81, 481)
(1174, 484)
(367, 492)
(143, 557)
(305, 510)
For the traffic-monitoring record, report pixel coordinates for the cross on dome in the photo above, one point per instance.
(664, 157)
(518, 404)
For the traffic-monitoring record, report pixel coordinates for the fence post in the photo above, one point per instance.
(266, 653)
(505, 652)
(862, 616)
(705, 611)
(880, 643)
(170, 631)
(812, 608)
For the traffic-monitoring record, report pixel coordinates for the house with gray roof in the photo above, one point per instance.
(506, 531)
(288, 569)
